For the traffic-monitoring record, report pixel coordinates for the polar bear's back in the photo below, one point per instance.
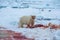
(25, 19)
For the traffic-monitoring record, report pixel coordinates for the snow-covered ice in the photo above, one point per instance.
(9, 18)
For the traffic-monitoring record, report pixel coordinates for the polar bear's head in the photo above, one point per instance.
(33, 17)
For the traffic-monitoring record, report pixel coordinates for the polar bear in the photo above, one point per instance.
(27, 20)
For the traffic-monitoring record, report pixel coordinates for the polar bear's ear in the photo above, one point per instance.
(33, 17)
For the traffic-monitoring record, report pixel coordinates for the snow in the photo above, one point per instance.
(9, 18)
(57, 34)
(36, 33)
